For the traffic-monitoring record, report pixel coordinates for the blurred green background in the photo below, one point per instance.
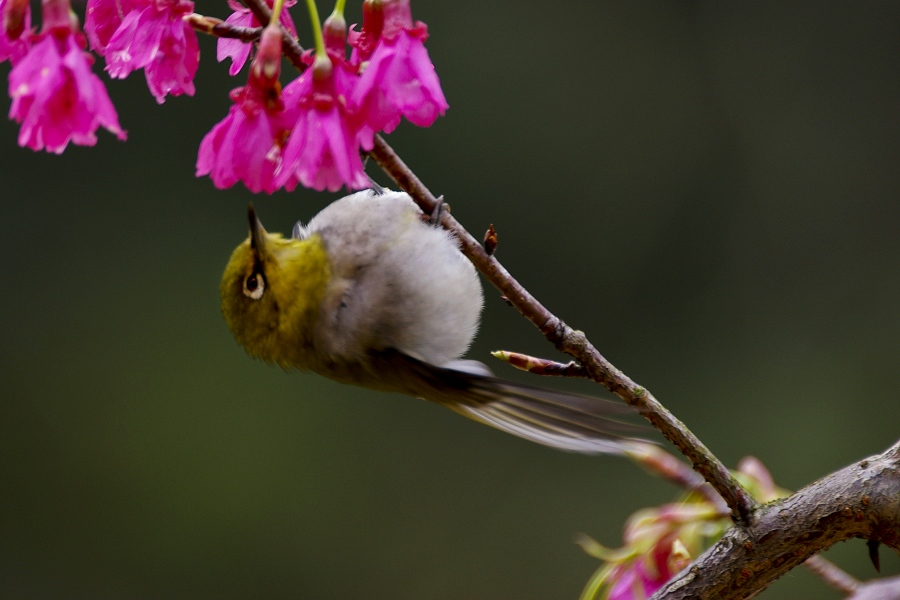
(709, 190)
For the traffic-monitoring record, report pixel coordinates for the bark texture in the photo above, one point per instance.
(859, 501)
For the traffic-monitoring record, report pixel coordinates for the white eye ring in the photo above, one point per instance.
(254, 286)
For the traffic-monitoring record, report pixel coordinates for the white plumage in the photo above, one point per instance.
(398, 282)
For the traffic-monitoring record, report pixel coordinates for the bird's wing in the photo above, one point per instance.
(553, 418)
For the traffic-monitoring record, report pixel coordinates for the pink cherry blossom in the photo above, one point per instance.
(15, 16)
(322, 151)
(246, 145)
(56, 97)
(243, 146)
(101, 20)
(154, 37)
(399, 78)
(237, 50)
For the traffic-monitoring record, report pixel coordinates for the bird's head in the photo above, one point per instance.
(271, 291)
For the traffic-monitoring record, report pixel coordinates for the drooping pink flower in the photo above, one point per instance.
(154, 37)
(237, 50)
(15, 29)
(322, 151)
(102, 18)
(55, 95)
(246, 145)
(399, 78)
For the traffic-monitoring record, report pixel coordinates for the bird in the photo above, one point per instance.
(372, 292)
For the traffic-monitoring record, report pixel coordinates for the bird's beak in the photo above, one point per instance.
(257, 233)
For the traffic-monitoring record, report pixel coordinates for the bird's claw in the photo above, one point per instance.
(435, 218)
(376, 189)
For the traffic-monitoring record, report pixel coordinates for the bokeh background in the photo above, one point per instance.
(710, 190)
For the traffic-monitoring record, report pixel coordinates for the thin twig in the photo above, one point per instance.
(574, 343)
(832, 574)
(219, 28)
(292, 49)
(887, 588)
(661, 463)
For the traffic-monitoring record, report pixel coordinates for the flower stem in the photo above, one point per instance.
(339, 8)
(317, 28)
(276, 11)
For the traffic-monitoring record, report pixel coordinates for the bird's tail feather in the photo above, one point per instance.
(558, 419)
(553, 418)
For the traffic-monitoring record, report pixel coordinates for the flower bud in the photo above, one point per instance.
(334, 30)
(14, 16)
(321, 67)
(364, 41)
(267, 62)
(373, 18)
(58, 14)
(397, 17)
(679, 557)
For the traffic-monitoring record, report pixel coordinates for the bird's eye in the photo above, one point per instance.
(254, 286)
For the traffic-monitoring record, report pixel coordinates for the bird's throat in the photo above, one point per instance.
(301, 272)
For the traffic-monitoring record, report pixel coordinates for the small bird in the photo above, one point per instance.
(371, 294)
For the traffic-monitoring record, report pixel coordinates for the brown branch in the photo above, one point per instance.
(574, 343)
(859, 501)
(219, 28)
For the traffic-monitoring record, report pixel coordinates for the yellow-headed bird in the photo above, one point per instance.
(370, 293)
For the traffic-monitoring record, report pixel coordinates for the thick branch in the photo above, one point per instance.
(860, 501)
(574, 343)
